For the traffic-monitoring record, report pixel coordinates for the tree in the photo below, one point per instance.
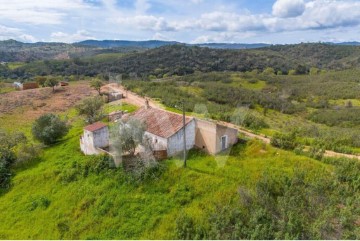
(130, 135)
(97, 84)
(41, 80)
(301, 69)
(8, 144)
(51, 82)
(269, 71)
(2, 85)
(91, 108)
(292, 72)
(49, 128)
(314, 71)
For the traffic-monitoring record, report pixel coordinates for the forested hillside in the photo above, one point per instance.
(14, 51)
(182, 60)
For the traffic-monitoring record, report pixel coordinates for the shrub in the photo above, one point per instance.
(284, 141)
(316, 153)
(253, 122)
(91, 109)
(49, 128)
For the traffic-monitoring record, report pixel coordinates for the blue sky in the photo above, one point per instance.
(191, 21)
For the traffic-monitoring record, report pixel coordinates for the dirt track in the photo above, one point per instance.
(134, 99)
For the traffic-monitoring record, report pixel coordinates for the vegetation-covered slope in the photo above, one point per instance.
(182, 60)
(66, 195)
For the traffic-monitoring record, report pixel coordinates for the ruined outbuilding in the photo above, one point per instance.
(95, 138)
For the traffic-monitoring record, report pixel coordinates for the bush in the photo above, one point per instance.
(91, 108)
(284, 141)
(8, 145)
(49, 128)
(253, 122)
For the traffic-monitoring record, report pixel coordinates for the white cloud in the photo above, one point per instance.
(71, 38)
(227, 21)
(147, 22)
(215, 21)
(39, 11)
(141, 6)
(223, 37)
(288, 8)
(15, 33)
(159, 36)
(317, 14)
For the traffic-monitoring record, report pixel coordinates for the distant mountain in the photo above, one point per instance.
(349, 43)
(158, 43)
(13, 51)
(125, 43)
(232, 45)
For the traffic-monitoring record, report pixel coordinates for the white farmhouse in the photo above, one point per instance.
(165, 129)
(95, 138)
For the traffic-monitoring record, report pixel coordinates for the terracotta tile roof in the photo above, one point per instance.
(96, 126)
(159, 122)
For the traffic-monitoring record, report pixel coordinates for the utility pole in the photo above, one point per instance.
(184, 132)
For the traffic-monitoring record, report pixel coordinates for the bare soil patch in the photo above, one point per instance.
(36, 102)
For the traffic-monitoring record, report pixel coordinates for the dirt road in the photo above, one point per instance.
(134, 99)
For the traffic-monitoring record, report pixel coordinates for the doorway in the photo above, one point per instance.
(224, 142)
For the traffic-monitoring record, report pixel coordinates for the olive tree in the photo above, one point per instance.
(52, 82)
(49, 128)
(91, 109)
(97, 84)
(128, 136)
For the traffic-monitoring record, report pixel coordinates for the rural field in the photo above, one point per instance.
(63, 194)
(180, 120)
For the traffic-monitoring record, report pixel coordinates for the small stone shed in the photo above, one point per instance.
(114, 95)
(213, 137)
(94, 139)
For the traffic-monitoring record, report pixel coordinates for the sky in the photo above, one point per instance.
(189, 21)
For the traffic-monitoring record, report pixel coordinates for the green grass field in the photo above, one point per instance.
(54, 198)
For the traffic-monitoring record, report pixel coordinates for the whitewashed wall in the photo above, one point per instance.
(90, 141)
(101, 137)
(176, 142)
(157, 142)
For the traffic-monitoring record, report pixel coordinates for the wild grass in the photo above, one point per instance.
(52, 199)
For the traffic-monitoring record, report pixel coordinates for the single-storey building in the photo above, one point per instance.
(95, 138)
(165, 129)
(213, 137)
(112, 95)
